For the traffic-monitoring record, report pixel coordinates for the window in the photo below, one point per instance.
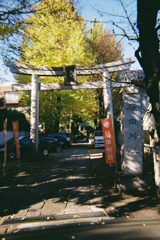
(40, 141)
(11, 96)
(98, 133)
(25, 141)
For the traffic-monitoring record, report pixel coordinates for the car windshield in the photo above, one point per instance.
(98, 133)
(21, 137)
(11, 141)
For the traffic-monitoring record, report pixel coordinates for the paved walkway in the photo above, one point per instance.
(75, 184)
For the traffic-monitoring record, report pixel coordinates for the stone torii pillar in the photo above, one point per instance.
(34, 114)
(108, 107)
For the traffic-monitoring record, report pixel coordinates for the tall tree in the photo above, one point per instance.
(104, 48)
(55, 36)
(148, 53)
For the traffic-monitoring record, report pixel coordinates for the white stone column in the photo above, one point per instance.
(34, 114)
(132, 153)
(107, 95)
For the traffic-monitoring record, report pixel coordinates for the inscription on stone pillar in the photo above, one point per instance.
(132, 135)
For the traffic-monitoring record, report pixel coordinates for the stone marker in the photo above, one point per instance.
(131, 129)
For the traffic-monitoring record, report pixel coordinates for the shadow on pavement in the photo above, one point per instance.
(71, 176)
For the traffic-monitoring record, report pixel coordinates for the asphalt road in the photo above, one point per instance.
(72, 185)
(62, 183)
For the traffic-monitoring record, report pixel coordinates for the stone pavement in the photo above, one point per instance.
(72, 185)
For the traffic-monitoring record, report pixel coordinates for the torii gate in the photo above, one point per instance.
(35, 86)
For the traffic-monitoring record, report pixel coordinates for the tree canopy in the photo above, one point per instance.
(55, 36)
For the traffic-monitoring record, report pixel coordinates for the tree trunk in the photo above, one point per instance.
(148, 51)
(57, 120)
(100, 98)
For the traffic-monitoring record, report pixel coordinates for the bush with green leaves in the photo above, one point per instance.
(13, 115)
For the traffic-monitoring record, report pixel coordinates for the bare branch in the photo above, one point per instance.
(128, 18)
(107, 13)
(16, 8)
(125, 16)
(124, 32)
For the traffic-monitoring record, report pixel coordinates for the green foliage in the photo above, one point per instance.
(54, 36)
(2, 99)
(117, 102)
(103, 44)
(13, 115)
(6, 30)
(22, 78)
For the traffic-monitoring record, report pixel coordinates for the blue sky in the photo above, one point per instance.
(114, 7)
(6, 76)
(88, 9)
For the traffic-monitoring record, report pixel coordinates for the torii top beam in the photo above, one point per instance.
(121, 65)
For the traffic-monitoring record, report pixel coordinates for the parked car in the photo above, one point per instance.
(45, 146)
(10, 146)
(69, 137)
(63, 137)
(98, 139)
(54, 144)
